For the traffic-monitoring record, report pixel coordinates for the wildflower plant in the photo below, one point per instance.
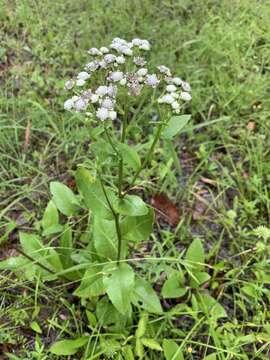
(111, 91)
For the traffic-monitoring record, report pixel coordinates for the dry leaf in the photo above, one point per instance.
(165, 208)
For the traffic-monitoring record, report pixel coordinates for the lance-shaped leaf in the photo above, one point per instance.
(105, 238)
(92, 283)
(50, 220)
(174, 126)
(137, 228)
(143, 295)
(65, 200)
(132, 205)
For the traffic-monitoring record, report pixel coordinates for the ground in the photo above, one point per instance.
(217, 182)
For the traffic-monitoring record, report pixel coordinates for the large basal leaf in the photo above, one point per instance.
(132, 205)
(195, 254)
(105, 238)
(174, 126)
(33, 247)
(92, 283)
(119, 284)
(138, 228)
(65, 200)
(50, 220)
(171, 350)
(143, 295)
(130, 156)
(68, 347)
(173, 286)
(93, 195)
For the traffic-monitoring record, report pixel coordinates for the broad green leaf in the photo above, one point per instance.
(14, 263)
(66, 247)
(130, 156)
(108, 315)
(132, 205)
(151, 344)
(119, 283)
(195, 254)
(68, 347)
(171, 350)
(175, 125)
(173, 286)
(211, 307)
(33, 247)
(65, 200)
(92, 283)
(139, 228)
(93, 195)
(198, 278)
(143, 295)
(50, 220)
(105, 238)
(35, 326)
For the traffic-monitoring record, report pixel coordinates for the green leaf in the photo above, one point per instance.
(93, 195)
(105, 238)
(119, 283)
(50, 220)
(92, 283)
(175, 125)
(143, 295)
(195, 254)
(173, 286)
(198, 278)
(151, 344)
(66, 247)
(171, 350)
(35, 326)
(33, 247)
(132, 205)
(211, 307)
(139, 228)
(141, 329)
(65, 200)
(130, 156)
(68, 347)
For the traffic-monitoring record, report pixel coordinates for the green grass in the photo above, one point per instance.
(222, 48)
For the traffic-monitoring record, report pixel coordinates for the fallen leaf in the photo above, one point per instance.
(165, 208)
(209, 181)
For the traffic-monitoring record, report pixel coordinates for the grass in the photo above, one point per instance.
(218, 177)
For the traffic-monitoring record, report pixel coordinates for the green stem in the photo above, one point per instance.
(147, 158)
(121, 165)
(110, 140)
(116, 220)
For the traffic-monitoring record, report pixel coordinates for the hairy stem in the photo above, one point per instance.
(147, 158)
(121, 165)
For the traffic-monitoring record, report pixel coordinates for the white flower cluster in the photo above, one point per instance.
(121, 65)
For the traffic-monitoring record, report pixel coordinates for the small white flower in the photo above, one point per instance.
(175, 95)
(177, 81)
(167, 99)
(68, 104)
(80, 105)
(152, 80)
(109, 58)
(116, 76)
(112, 90)
(126, 50)
(139, 61)
(186, 86)
(102, 114)
(104, 50)
(171, 88)
(123, 81)
(145, 45)
(80, 82)
(69, 84)
(103, 64)
(112, 114)
(136, 42)
(107, 104)
(102, 90)
(120, 59)
(142, 72)
(185, 96)
(93, 65)
(175, 105)
(164, 70)
(94, 51)
(94, 98)
(83, 75)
